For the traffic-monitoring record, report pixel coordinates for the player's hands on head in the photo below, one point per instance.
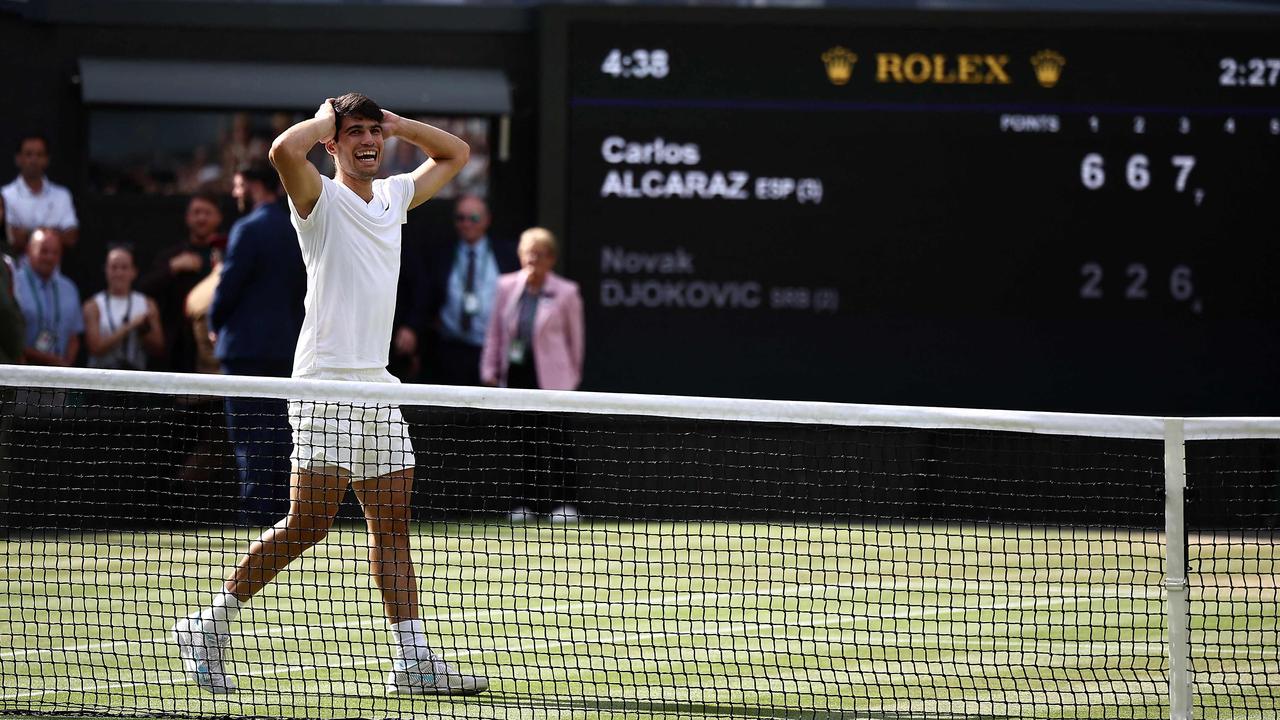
(390, 123)
(326, 112)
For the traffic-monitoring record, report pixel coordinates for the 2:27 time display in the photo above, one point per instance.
(1249, 72)
(651, 63)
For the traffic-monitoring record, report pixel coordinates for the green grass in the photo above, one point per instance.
(656, 620)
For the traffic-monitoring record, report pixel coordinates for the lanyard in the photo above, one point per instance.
(128, 310)
(39, 298)
(126, 346)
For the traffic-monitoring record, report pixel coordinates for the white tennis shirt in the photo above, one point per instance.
(51, 207)
(352, 252)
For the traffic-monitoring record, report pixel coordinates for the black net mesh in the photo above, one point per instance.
(1233, 525)
(596, 565)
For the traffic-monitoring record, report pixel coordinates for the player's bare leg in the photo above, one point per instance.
(385, 500)
(314, 499)
(204, 637)
(415, 669)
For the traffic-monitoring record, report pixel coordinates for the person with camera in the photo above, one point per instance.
(121, 325)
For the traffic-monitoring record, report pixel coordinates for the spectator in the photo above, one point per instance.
(535, 340)
(50, 303)
(461, 296)
(256, 315)
(34, 201)
(121, 325)
(174, 273)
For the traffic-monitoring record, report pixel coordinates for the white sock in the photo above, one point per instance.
(410, 640)
(222, 612)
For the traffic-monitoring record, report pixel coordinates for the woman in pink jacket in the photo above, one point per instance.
(535, 330)
(535, 340)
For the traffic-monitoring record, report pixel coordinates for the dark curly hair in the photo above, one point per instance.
(355, 105)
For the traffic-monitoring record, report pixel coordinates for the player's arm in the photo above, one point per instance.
(446, 154)
(288, 154)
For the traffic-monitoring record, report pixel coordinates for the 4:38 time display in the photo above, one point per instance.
(652, 63)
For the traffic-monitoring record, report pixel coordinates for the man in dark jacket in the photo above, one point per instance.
(175, 271)
(256, 315)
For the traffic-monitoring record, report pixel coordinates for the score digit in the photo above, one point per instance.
(1136, 172)
(1091, 172)
(1184, 163)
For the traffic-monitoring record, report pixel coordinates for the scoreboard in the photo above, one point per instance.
(1037, 211)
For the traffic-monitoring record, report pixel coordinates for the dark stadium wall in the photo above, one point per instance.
(48, 43)
(40, 97)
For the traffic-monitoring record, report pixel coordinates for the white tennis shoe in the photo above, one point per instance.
(201, 652)
(433, 676)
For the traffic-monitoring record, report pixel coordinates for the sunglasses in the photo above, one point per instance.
(473, 217)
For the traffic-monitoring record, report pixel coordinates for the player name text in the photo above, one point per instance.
(731, 185)
(626, 262)
(617, 150)
(685, 183)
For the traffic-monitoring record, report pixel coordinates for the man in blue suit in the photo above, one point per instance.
(256, 316)
(458, 297)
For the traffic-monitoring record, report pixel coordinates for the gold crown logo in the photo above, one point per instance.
(1048, 65)
(839, 61)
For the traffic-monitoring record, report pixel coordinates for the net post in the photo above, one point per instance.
(1175, 578)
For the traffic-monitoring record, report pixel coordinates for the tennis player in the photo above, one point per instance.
(349, 229)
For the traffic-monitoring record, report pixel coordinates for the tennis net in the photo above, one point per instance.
(640, 556)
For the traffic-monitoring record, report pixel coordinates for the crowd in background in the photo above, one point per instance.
(164, 316)
(471, 310)
(145, 152)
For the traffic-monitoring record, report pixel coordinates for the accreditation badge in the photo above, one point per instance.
(515, 354)
(45, 342)
(470, 303)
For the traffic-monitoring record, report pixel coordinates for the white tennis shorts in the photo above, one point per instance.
(365, 440)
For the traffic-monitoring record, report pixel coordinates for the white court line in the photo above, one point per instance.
(282, 630)
(610, 638)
